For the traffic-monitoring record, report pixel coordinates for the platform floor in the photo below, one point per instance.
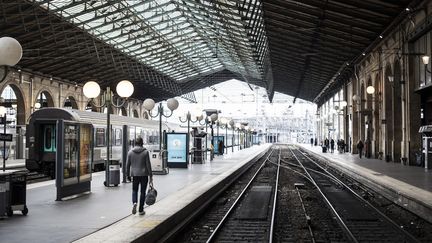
(64, 221)
(411, 181)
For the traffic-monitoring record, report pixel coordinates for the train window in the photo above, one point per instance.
(118, 137)
(100, 137)
(49, 138)
(145, 136)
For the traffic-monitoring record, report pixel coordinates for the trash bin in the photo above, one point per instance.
(114, 173)
(13, 190)
(18, 192)
(3, 196)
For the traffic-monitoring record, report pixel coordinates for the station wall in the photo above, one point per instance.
(388, 120)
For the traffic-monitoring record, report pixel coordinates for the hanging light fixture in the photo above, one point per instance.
(370, 90)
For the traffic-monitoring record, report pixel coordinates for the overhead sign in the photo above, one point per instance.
(6, 137)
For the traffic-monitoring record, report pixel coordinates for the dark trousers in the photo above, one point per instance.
(136, 181)
(360, 152)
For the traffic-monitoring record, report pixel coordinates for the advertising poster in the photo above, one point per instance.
(177, 148)
(216, 142)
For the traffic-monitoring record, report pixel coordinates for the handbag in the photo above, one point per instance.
(151, 195)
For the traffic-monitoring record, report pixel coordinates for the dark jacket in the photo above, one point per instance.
(360, 145)
(138, 162)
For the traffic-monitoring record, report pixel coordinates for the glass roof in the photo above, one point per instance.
(235, 100)
(181, 39)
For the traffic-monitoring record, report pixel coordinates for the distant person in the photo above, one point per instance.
(332, 144)
(312, 142)
(360, 146)
(327, 144)
(342, 144)
(139, 168)
(221, 147)
(316, 142)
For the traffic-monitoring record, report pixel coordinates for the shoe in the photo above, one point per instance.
(134, 208)
(141, 212)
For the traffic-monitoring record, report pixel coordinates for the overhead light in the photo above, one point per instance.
(364, 54)
(356, 97)
(380, 36)
(425, 59)
(370, 89)
(407, 9)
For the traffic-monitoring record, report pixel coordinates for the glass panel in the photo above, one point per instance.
(85, 151)
(131, 136)
(70, 154)
(118, 137)
(100, 137)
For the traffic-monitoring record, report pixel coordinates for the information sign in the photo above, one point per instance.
(6, 137)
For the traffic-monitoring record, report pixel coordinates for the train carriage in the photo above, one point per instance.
(41, 136)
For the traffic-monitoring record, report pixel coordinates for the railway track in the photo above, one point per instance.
(34, 177)
(359, 219)
(244, 212)
(288, 197)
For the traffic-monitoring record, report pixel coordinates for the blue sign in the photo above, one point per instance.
(177, 148)
(216, 141)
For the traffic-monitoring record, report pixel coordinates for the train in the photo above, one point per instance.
(41, 136)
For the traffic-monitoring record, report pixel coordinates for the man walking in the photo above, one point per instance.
(360, 147)
(139, 168)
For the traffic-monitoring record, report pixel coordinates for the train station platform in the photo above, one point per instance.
(104, 215)
(14, 163)
(408, 186)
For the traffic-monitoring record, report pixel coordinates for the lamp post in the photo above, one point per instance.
(238, 127)
(232, 125)
(189, 119)
(212, 116)
(92, 90)
(172, 105)
(225, 123)
(3, 116)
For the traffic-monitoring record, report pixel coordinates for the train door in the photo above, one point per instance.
(49, 138)
(48, 148)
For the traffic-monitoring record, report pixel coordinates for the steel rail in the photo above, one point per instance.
(312, 170)
(332, 208)
(275, 199)
(231, 209)
(394, 224)
(308, 221)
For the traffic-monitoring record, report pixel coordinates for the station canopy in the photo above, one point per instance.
(173, 47)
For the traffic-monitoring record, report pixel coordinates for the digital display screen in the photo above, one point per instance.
(177, 147)
(216, 143)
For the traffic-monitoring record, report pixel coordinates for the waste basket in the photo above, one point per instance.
(114, 173)
(13, 190)
(3, 196)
